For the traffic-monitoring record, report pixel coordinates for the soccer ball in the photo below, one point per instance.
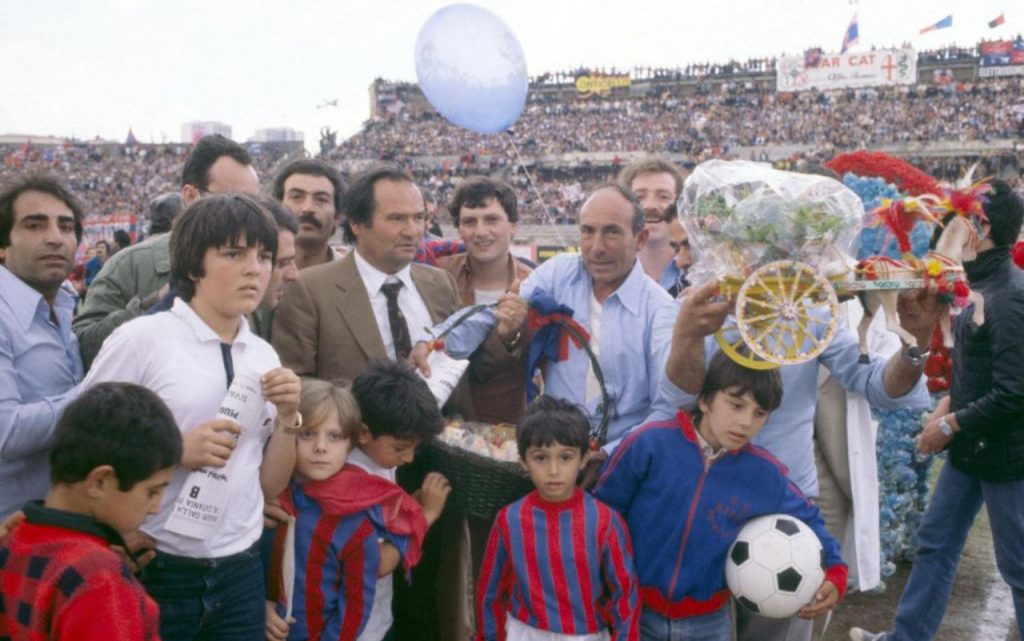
(775, 567)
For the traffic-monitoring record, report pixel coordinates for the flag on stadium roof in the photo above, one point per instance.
(130, 140)
(852, 35)
(945, 23)
(1001, 19)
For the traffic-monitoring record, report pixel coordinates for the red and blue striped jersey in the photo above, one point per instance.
(564, 567)
(336, 563)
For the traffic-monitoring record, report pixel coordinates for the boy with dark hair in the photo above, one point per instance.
(134, 280)
(222, 250)
(558, 562)
(399, 412)
(114, 451)
(706, 469)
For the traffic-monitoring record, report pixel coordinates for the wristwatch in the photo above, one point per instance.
(945, 427)
(916, 361)
(294, 429)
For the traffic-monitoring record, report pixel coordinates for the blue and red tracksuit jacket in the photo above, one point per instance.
(564, 567)
(338, 524)
(684, 512)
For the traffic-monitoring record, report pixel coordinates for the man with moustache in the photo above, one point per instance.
(40, 367)
(657, 183)
(136, 278)
(312, 190)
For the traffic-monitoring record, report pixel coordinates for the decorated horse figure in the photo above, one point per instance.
(941, 270)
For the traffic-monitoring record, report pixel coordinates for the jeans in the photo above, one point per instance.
(208, 599)
(716, 626)
(940, 540)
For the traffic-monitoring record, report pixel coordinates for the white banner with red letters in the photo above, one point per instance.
(817, 70)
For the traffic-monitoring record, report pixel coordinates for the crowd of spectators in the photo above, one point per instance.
(699, 111)
(112, 179)
(731, 115)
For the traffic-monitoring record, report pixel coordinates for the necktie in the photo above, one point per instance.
(399, 330)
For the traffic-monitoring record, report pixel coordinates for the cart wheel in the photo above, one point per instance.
(786, 312)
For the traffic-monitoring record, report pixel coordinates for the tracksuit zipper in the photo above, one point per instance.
(689, 522)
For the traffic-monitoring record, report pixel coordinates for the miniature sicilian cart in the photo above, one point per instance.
(781, 244)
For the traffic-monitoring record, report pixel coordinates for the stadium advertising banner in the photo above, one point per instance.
(103, 227)
(600, 85)
(1002, 58)
(817, 70)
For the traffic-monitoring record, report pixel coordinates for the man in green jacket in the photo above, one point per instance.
(134, 279)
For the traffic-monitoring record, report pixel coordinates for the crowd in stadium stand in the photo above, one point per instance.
(110, 179)
(699, 120)
(734, 115)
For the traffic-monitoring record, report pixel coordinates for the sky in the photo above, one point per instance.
(96, 68)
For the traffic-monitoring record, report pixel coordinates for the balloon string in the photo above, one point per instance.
(550, 218)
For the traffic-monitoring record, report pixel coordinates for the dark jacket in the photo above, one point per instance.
(988, 373)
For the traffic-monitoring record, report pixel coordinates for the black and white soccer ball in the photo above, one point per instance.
(776, 565)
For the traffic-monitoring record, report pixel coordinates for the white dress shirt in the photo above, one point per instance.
(417, 316)
(178, 356)
(380, 620)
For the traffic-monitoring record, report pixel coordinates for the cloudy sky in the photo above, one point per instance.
(69, 67)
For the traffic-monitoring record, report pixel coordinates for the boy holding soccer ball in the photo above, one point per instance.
(686, 487)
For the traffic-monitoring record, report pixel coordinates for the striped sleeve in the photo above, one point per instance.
(495, 584)
(621, 601)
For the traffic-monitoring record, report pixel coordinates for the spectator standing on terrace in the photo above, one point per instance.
(135, 279)
(312, 191)
(163, 210)
(656, 183)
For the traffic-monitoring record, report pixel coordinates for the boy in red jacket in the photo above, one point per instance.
(113, 453)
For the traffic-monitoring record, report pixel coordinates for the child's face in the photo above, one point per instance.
(731, 420)
(321, 450)
(387, 451)
(126, 511)
(235, 278)
(553, 469)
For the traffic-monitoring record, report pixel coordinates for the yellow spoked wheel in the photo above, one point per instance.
(785, 314)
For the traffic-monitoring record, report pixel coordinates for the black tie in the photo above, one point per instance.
(399, 330)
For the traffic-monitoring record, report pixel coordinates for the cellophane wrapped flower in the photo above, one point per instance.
(877, 240)
(902, 470)
(902, 484)
(740, 215)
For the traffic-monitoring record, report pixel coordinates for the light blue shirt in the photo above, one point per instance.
(789, 432)
(40, 369)
(631, 361)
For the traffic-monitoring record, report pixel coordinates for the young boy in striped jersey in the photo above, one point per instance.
(350, 527)
(559, 564)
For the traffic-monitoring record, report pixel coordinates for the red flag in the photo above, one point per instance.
(992, 24)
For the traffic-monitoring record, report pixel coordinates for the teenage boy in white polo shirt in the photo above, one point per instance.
(222, 253)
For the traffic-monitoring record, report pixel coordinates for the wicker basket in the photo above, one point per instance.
(481, 486)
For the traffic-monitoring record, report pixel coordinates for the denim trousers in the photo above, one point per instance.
(208, 599)
(940, 540)
(716, 626)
